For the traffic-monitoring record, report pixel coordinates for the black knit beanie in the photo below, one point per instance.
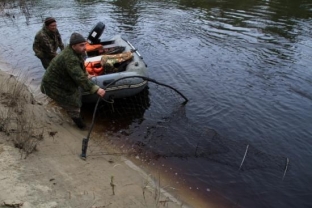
(49, 20)
(76, 38)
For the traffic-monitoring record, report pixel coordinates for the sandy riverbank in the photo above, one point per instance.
(53, 175)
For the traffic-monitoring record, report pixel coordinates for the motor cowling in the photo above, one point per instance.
(96, 32)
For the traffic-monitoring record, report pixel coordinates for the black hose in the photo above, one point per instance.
(85, 141)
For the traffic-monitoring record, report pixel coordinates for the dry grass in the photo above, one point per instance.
(152, 188)
(18, 118)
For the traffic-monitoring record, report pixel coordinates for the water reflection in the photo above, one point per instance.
(7, 7)
(279, 17)
(126, 8)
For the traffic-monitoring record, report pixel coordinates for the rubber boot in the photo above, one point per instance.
(79, 123)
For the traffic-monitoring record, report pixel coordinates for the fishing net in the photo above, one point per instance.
(153, 125)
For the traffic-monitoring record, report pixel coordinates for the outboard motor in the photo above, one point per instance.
(96, 32)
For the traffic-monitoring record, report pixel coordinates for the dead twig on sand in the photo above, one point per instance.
(112, 184)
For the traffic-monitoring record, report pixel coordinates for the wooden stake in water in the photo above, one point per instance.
(286, 167)
(244, 157)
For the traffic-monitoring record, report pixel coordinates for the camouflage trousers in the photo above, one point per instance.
(73, 112)
(45, 62)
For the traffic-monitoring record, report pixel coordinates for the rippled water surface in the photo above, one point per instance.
(244, 137)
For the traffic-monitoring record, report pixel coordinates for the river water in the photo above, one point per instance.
(244, 137)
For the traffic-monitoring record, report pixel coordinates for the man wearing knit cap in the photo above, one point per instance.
(65, 75)
(47, 41)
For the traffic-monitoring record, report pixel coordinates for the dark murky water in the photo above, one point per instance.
(245, 67)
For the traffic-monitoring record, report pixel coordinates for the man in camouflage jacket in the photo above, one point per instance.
(65, 74)
(47, 41)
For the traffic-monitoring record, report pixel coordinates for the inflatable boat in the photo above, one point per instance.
(116, 66)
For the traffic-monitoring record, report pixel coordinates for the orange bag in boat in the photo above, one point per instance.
(94, 68)
(94, 47)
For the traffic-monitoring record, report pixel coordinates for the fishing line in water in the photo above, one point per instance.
(164, 136)
(85, 141)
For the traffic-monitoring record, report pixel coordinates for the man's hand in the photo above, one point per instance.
(101, 92)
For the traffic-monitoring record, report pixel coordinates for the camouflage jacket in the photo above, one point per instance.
(46, 43)
(62, 79)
